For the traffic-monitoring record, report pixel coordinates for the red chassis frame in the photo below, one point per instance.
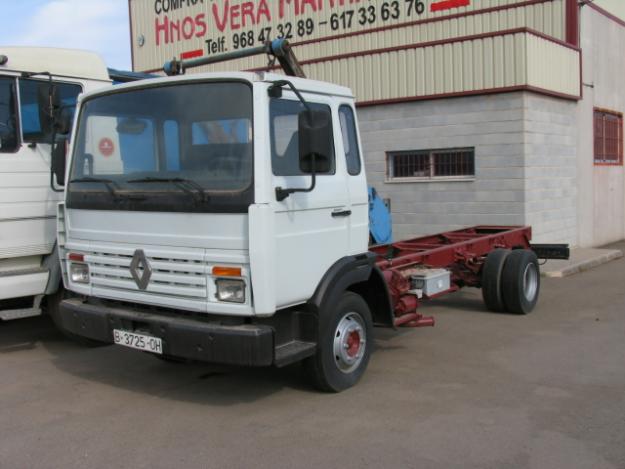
(462, 252)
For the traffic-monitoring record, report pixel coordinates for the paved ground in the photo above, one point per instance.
(581, 259)
(477, 391)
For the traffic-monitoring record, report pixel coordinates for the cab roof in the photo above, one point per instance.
(69, 63)
(302, 84)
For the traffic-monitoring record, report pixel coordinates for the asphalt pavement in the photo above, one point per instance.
(479, 390)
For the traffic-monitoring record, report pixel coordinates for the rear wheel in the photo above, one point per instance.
(53, 308)
(344, 345)
(521, 281)
(492, 278)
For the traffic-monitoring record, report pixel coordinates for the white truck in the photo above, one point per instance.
(38, 92)
(29, 267)
(227, 221)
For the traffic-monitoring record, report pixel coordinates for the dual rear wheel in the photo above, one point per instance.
(511, 281)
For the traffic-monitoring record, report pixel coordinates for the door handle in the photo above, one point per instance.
(341, 213)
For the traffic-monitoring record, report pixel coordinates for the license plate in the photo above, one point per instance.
(138, 341)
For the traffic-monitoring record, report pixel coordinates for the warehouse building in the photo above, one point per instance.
(471, 111)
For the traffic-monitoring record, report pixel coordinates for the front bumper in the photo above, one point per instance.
(241, 344)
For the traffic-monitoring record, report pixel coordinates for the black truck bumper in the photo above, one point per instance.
(241, 344)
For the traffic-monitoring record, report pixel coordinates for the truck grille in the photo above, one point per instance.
(172, 277)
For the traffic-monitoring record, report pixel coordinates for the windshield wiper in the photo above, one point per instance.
(186, 185)
(110, 184)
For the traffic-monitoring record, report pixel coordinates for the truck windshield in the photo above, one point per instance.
(182, 147)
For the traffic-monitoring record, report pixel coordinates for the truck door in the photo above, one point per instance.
(311, 228)
(356, 181)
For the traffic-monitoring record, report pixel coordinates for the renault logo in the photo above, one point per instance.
(140, 269)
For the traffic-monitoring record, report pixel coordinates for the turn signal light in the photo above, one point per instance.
(227, 271)
(76, 257)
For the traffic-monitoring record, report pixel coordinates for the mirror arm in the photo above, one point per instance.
(281, 83)
(52, 185)
(282, 193)
(52, 172)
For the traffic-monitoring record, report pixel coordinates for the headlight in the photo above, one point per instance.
(79, 273)
(232, 291)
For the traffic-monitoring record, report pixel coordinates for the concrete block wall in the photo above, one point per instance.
(525, 155)
(493, 124)
(551, 168)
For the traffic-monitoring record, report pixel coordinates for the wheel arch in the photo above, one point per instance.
(51, 262)
(360, 275)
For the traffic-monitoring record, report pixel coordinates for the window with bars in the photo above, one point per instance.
(608, 137)
(453, 163)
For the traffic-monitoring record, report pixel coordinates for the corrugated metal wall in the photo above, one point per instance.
(546, 17)
(469, 65)
(487, 63)
(553, 67)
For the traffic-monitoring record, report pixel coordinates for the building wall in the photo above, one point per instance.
(508, 60)
(601, 193)
(550, 148)
(492, 124)
(338, 26)
(437, 50)
(525, 154)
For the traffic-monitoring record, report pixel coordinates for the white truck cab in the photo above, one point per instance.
(29, 268)
(226, 220)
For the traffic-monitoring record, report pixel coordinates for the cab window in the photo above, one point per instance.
(30, 112)
(284, 136)
(8, 116)
(350, 139)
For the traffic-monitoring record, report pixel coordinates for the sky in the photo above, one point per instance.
(97, 25)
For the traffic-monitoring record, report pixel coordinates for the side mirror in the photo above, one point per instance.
(63, 122)
(48, 103)
(315, 141)
(59, 154)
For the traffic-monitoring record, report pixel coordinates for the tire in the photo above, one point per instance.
(492, 291)
(344, 345)
(521, 281)
(53, 309)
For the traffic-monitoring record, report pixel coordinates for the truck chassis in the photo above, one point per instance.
(462, 252)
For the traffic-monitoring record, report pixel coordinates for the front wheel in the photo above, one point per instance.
(344, 345)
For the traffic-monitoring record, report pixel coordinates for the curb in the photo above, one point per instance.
(584, 265)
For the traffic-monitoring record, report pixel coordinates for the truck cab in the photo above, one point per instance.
(29, 267)
(226, 221)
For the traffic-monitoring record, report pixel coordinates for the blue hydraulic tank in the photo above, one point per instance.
(380, 222)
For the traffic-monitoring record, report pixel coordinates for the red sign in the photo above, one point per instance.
(449, 4)
(106, 147)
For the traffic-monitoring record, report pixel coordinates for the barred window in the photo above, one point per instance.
(608, 137)
(454, 163)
